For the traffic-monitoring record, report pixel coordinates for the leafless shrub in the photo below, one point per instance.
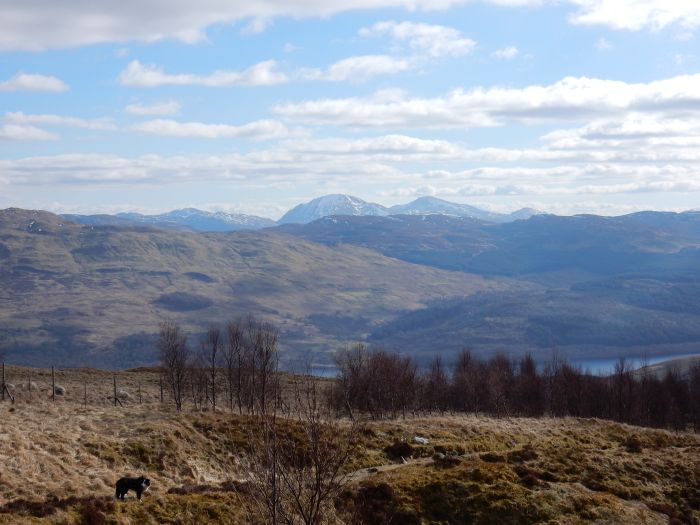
(174, 356)
(296, 469)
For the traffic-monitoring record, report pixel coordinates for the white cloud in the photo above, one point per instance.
(19, 132)
(261, 74)
(603, 44)
(37, 25)
(358, 68)
(424, 39)
(260, 130)
(256, 26)
(506, 53)
(21, 118)
(32, 82)
(382, 144)
(162, 108)
(570, 99)
(637, 14)
(604, 159)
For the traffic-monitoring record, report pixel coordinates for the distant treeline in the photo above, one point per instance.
(388, 385)
(240, 363)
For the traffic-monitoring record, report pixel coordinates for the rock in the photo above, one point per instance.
(420, 440)
(26, 385)
(439, 456)
(60, 390)
(123, 394)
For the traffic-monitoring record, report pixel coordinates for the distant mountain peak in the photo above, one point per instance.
(184, 218)
(434, 205)
(342, 204)
(334, 204)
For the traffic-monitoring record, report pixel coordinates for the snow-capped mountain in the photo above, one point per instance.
(523, 214)
(433, 205)
(331, 205)
(328, 205)
(188, 218)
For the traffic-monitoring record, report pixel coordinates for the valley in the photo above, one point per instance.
(588, 287)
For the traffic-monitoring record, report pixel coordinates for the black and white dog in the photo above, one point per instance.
(138, 485)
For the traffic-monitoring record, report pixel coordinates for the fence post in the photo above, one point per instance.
(85, 393)
(3, 380)
(161, 389)
(115, 390)
(139, 393)
(53, 384)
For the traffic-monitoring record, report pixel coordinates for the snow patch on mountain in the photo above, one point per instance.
(328, 205)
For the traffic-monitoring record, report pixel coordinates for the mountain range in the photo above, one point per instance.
(78, 295)
(328, 205)
(586, 286)
(184, 219)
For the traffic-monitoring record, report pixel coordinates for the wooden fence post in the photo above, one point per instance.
(85, 393)
(139, 393)
(161, 389)
(53, 384)
(4, 386)
(116, 398)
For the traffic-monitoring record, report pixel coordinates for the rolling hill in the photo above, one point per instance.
(591, 287)
(77, 295)
(185, 219)
(609, 286)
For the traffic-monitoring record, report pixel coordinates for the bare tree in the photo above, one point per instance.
(198, 375)
(261, 352)
(529, 390)
(436, 386)
(297, 465)
(173, 353)
(233, 360)
(347, 392)
(214, 341)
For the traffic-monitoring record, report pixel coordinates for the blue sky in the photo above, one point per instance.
(567, 106)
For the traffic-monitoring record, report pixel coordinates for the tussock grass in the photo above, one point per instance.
(60, 461)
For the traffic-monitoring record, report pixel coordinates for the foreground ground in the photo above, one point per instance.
(60, 461)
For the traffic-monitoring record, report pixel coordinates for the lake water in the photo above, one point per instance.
(607, 366)
(598, 366)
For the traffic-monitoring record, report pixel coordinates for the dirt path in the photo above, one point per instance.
(365, 473)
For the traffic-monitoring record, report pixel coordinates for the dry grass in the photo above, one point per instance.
(60, 461)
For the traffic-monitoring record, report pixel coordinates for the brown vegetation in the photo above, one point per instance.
(60, 462)
(386, 385)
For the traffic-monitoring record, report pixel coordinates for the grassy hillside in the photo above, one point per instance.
(580, 325)
(60, 462)
(533, 248)
(77, 295)
(608, 286)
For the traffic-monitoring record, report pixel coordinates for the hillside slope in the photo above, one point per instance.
(60, 463)
(76, 295)
(610, 286)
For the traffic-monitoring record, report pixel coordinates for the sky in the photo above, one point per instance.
(567, 106)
